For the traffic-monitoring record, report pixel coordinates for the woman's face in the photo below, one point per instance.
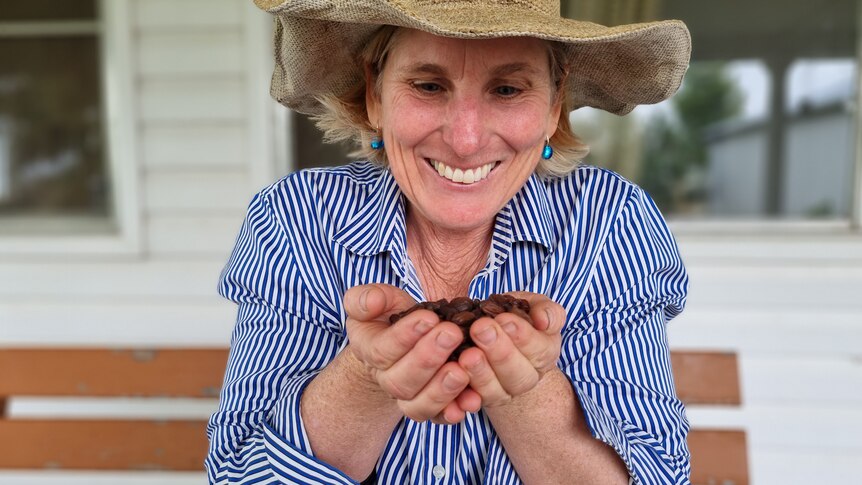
(464, 122)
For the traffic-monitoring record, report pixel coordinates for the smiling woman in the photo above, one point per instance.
(474, 188)
(448, 104)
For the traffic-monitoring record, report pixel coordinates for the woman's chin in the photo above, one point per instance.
(454, 218)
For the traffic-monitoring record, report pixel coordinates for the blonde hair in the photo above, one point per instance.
(345, 118)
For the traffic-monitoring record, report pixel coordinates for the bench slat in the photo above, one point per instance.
(718, 457)
(706, 377)
(103, 372)
(103, 444)
(700, 377)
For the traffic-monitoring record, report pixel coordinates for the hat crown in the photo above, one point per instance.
(550, 7)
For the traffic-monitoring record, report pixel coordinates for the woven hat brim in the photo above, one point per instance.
(613, 68)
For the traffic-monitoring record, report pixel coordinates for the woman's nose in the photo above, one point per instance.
(465, 132)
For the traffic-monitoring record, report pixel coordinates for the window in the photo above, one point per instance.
(52, 140)
(66, 151)
(764, 124)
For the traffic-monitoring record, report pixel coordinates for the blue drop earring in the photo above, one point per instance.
(377, 141)
(547, 152)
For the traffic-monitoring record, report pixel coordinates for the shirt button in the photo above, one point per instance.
(438, 471)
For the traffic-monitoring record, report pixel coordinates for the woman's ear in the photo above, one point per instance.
(372, 102)
(554, 117)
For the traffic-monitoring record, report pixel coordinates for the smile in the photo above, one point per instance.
(462, 176)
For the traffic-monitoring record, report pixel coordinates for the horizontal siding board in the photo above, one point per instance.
(171, 280)
(835, 427)
(187, 14)
(199, 99)
(210, 236)
(226, 192)
(768, 331)
(777, 287)
(143, 322)
(199, 145)
(802, 466)
(166, 54)
(787, 380)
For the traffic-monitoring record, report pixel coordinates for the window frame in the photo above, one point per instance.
(116, 56)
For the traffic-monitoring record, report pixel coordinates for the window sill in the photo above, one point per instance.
(783, 242)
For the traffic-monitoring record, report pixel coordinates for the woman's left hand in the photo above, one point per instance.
(511, 355)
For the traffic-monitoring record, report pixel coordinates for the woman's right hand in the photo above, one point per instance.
(408, 359)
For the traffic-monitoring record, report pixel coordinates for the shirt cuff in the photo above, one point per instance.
(287, 445)
(606, 430)
(642, 454)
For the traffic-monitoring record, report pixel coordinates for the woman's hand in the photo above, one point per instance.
(511, 355)
(407, 360)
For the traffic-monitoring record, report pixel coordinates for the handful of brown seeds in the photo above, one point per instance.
(463, 311)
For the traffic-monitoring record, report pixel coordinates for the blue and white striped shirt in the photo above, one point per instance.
(592, 241)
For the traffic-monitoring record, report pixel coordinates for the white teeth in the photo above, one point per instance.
(469, 177)
(458, 176)
(464, 176)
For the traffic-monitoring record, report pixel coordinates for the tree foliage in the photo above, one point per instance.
(675, 159)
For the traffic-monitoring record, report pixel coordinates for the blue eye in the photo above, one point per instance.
(507, 91)
(428, 87)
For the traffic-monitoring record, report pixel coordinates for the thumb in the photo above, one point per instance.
(373, 301)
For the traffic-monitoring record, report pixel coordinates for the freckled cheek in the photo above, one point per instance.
(522, 127)
(409, 127)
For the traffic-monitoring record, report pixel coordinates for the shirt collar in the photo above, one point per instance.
(379, 224)
(525, 218)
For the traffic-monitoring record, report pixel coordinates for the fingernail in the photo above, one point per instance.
(446, 340)
(423, 326)
(487, 336)
(549, 318)
(362, 300)
(475, 365)
(451, 383)
(510, 328)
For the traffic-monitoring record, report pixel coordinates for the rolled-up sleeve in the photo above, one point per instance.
(615, 349)
(282, 339)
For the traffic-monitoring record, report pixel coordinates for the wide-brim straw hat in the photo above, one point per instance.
(317, 46)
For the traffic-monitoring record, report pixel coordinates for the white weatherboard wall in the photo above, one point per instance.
(200, 102)
(788, 301)
(790, 304)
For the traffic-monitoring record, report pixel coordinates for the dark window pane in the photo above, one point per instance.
(51, 133)
(39, 10)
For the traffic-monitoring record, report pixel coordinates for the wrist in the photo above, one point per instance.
(547, 388)
(362, 374)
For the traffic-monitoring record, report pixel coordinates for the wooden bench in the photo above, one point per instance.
(719, 457)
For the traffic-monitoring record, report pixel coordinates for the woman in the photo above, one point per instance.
(475, 189)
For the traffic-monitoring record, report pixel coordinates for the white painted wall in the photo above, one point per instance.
(789, 305)
(786, 299)
(198, 153)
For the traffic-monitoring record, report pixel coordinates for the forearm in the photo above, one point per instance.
(347, 417)
(547, 439)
